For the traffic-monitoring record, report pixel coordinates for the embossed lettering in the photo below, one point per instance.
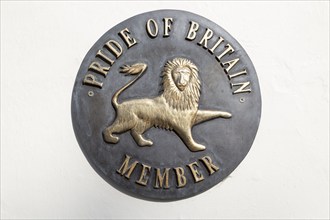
(180, 178)
(161, 177)
(230, 76)
(242, 87)
(96, 67)
(143, 180)
(129, 41)
(167, 26)
(229, 64)
(89, 79)
(209, 164)
(126, 168)
(101, 55)
(114, 47)
(194, 26)
(197, 175)
(229, 50)
(152, 33)
(220, 40)
(207, 36)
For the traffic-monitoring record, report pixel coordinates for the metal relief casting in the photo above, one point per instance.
(178, 72)
(175, 109)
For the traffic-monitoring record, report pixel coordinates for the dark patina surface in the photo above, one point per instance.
(227, 141)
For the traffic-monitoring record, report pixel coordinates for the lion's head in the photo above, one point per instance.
(181, 84)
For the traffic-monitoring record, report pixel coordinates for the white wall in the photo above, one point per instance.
(44, 173)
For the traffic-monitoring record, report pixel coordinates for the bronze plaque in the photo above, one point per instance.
(166, 105)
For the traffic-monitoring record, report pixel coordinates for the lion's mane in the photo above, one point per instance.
(181, 100)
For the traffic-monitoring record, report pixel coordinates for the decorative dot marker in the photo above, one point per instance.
(90, 93)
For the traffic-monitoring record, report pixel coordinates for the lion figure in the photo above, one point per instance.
(175, 109)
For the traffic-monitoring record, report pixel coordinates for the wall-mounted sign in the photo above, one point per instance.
(166, 105)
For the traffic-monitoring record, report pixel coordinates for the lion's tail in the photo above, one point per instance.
(137, 68)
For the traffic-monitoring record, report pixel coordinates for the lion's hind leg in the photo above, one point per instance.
(137, 131)
(116, 127)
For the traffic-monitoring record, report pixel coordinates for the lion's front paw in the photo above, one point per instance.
(197, 147)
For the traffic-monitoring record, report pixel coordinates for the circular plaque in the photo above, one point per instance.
(166, 105)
